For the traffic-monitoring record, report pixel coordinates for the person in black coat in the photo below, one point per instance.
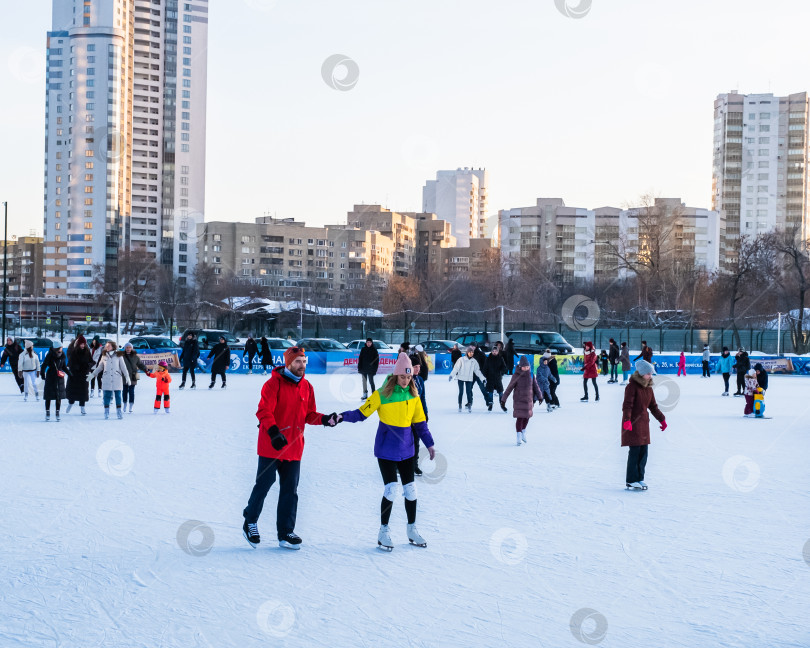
(613, 356)
(367, 364)
(494, 369)
(455, 355)
(266, 355)
(221, 353)
(188, 358)
(11, 352)
(81, 364)
(251, 349)
(742, 364)
(509, 356)
(54, 369)
(481, 359)
(762, 376)
(552, 385)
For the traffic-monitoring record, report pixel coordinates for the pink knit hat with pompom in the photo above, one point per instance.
(403, 367)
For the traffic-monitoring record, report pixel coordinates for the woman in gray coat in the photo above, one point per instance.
(525, 391)
(115, 376)
(624, 358)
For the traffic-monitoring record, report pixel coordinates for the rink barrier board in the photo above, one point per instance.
(439, 363)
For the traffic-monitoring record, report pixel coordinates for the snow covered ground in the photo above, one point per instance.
(127, 533)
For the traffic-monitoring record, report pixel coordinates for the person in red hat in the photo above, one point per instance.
(287, 404)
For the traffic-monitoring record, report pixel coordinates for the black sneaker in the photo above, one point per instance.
(489, 407)
(584, 399)
(211, 386)
(417, 471)
(289, 541)
(251, 533)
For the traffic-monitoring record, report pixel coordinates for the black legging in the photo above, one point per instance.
(218, 372)
(94, 379)
(740, 382)
(250, 360)
(58, 402)
(614, 372)
(585, 386)
(552, 387)
(188, 370)
(388, 470)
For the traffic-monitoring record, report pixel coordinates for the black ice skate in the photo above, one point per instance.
(289, 541)
(251, 533)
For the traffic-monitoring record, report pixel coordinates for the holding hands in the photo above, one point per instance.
(331, 420)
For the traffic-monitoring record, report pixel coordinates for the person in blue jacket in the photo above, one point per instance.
(724, 366)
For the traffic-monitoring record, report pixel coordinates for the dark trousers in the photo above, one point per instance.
(185, 371)
(614, 372)
(250, 360)
(388, 470)
(726, 376)
(706, 371)
(491, 395)
(636, 462)
(552, 387)
(129, 394)
(415, 448)
(58, 402)
(585, 386)
(468, 385)
(480, 384)
(18, 379)
(740, 382)
(288, 473)
(93, 381)
(218, 372)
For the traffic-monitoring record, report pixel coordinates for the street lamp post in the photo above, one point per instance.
(5, 265)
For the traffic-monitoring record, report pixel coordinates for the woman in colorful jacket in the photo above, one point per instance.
(400, 410)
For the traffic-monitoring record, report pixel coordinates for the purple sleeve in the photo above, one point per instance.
(353, 416)
(421, 429)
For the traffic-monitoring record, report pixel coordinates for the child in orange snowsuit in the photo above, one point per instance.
(163, 379)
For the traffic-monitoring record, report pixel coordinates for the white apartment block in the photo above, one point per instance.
(460, 198)
(125, 135)
(759, 173)
(577, 244)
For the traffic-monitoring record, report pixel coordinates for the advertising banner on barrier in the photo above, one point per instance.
(152, 358)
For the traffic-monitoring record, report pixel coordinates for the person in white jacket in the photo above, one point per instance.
(465, 370)
(28, 368)
(115, 376)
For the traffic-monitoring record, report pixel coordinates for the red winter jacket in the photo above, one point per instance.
(289, 405)
(589, 360)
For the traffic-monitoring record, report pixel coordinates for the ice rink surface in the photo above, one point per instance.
(128, 533)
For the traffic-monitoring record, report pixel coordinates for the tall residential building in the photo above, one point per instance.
(759, 173)
(24, 261)
(125, 135)
(399, 227)
(460, 197)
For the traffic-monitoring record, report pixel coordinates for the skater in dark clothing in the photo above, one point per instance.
(188, 357)
(424, 369)
(54, 369)
(613, 357)
(455, 354)
(416, 361)
(526, 392)
(97, 350)
(81, 364)
(251, 349)
(544, 380)
(646, 352)
(221, 353)
(11, 352)
(287, 405)
(604, 361)
(481, 359)
(590, 371)
(367, 364)
(509, 356)
(552, 384)
(741, 365)
(638, 398)
(133, 362)
(494, 371)
(762, 376)
(266, 355)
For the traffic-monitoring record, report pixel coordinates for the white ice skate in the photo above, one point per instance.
(68, 408)
(636, 486)
(523, 436)
(384, 539)
(518, 439)
(414, 538)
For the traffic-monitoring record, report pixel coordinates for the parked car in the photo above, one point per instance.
(207, 338)
(439, 346)
(153, 342)
(151, 330)
(356, 345)
(44, 343)
(485, 340)
(321, 344)
(276, 343)
(539, 341)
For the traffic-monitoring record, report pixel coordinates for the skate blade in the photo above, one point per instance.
(418, 544)
(286, 545)
(252, 544)
(383, 547)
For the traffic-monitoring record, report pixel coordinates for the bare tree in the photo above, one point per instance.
(794, 266)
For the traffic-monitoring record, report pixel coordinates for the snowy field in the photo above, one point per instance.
(128, 533)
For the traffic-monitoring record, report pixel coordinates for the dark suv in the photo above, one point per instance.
(207, 338)
(484, 340)
(538, 341)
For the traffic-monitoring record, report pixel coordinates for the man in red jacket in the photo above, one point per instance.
(286, 405)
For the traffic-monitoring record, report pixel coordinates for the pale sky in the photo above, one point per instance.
(597, 110)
